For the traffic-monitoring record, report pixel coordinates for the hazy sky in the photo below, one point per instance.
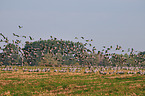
(107, 22)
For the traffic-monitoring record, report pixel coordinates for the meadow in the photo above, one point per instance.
(75, 84)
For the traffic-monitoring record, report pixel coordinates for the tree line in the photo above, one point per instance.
(54, 52)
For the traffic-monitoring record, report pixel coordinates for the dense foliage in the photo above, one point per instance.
(53, 52)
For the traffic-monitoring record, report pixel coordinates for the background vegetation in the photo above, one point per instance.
(53, 52)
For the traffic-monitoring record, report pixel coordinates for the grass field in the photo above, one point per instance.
(49, 83)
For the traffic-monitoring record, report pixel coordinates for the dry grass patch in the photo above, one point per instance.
(5, 82)
(120, 76)
(55, 83)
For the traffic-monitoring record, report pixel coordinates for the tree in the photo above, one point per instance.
(10, 55)
(48, 60)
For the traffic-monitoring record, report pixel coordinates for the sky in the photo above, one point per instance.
(107, 22)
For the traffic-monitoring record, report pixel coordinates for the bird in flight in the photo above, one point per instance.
(20, 27)
(82, 37)
(3, 35)
(87, 40)
(16, 35)
(24, 36)
(30, 38)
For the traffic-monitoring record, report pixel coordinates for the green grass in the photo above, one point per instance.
(62, 84)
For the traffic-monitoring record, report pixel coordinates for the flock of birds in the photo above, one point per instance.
(101, 70)
(30, 53)
(78, 50)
